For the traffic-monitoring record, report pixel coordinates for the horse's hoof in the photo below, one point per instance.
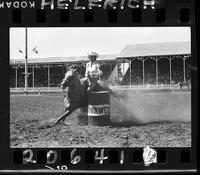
(55, 123)
(52, 124)
(44, 126)
(49, 126)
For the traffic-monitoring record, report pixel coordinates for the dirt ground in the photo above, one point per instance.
(29, 113)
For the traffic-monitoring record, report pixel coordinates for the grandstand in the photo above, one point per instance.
(48, 72)
(154, 63)
(137, 64)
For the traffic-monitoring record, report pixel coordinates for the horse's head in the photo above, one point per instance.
(70, 77)
(75, 91)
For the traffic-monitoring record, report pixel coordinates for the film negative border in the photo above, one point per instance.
(169, 159)
(170, 13)
(100, 159)
(112, 16)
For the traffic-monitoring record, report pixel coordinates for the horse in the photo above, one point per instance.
(76, 93)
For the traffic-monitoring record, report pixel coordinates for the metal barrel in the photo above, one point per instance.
(98, 108)
(82, 116)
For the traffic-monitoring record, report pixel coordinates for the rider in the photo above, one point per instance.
(92, 71)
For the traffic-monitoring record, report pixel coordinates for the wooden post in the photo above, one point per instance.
(117, 76)
(16, 78)
(184, 78)
(33, 77)
(49, 77)
(130, 71)
(170, 71)
(26, 60)
(143, 71)
(156, 72)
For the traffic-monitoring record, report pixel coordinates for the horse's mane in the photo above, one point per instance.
(76, 91)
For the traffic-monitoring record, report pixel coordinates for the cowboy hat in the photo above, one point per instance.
(93, 54)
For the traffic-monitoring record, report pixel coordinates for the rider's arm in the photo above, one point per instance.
(86, 71)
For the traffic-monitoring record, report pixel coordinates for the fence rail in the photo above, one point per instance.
(134, 87)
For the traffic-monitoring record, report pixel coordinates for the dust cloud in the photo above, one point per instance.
(139, 108)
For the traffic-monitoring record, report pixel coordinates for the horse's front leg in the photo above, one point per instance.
(62, 117)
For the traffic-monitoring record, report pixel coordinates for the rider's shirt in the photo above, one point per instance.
(93, 69)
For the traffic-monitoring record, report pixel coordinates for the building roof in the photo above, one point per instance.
(155, 49)
(131, 50)
(57, 60)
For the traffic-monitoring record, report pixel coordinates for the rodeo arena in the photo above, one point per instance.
(145, 99)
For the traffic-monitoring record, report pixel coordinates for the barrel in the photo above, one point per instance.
(82, 116)
(98, 108)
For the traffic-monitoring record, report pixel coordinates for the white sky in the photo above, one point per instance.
(69, 41)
